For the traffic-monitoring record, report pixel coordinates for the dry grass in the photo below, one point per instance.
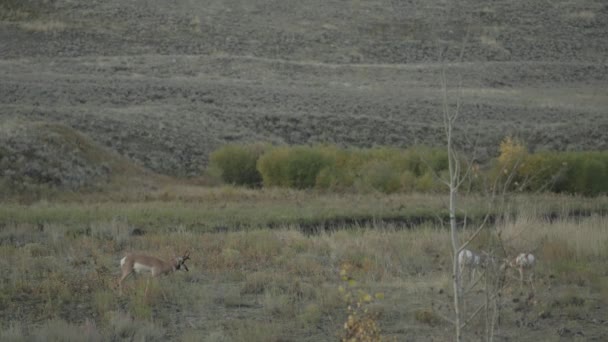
(578, 239)
(275, 284)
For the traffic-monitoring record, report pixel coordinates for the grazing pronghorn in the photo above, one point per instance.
(524, 262)
(469, 262)
(140, 263)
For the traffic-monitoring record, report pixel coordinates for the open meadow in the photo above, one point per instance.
(258, 272)
(112, 114)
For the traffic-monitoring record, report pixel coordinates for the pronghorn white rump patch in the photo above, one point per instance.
(139, 268)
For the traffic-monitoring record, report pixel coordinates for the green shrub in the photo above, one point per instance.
(433, 158)
(407, 181)
(581, 173)
(541, 171)
(272, 165)
(589, 174)
(296, 167)
(382, 169)
(428, 183)
(238, 164)
(303, 166)
(381, 176)
(334, 178)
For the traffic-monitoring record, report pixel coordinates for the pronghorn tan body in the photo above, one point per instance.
(469, 262)
(524, 262)
(141, 263)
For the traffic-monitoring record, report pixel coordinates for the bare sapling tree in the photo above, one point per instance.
(486, 263)
(453, 182)
(459, 171)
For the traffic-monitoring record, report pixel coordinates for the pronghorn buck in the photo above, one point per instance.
(524, 262)
(469, 262)
(141, 263)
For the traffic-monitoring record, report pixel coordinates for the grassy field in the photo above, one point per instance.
(256, 276)
(102, 102)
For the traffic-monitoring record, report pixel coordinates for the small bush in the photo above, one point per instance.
(272, 166)
(381, 176)
(541, 171)
(296, 167)
(428, 183)
(303, 167)
(334, 178)
(238, 164)
(427, 317)
(591, 172)
(581, 173)
(407, 181)
(361, 323)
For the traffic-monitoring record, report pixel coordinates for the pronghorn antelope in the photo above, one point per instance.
(140, 263)
(524, 262)
(469, 262)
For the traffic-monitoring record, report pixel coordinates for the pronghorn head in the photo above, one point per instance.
(181, 261)
(522, 260)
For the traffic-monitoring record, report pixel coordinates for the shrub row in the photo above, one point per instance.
(329, 167)
(583, 173)
(419, 168)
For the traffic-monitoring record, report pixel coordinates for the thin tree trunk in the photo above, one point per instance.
(456, 268)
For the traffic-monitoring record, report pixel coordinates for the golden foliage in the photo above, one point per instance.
(361, 324)
(512, 151)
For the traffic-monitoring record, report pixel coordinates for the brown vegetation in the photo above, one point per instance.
(278, 284)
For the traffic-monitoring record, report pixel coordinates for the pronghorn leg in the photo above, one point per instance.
(532, 281)
(122, 278)
(146, 291)
(521, 278)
